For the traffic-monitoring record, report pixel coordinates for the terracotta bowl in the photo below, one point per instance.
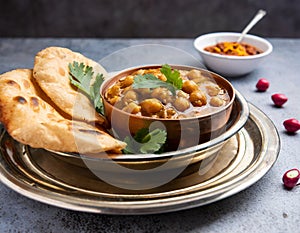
(181, 133)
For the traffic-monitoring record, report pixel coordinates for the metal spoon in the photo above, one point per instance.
(259, 15)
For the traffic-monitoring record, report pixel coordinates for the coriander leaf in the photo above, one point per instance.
(157, 139)
(173, 83)
(142, 135)
(95, 93)
(150, 81)
(131, 146)
(173, 76)
(81, 76)
(145, 142)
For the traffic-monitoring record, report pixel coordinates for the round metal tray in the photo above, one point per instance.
(242, 161)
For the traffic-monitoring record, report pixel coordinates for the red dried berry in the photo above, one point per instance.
(291, 125)
(262, 84)
(291, 178)
(279, 99)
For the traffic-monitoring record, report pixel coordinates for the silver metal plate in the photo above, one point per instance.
(46, 177)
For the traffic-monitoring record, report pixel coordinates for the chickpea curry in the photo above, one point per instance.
(233, 48)
(197, 94)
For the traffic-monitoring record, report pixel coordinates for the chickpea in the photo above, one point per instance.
(140, 71)
(114, 100)
(129, 96)
(161, 114)
(189, 86)
(216, 101)
(126, 82)
(181, 93)
(151, 106)
(181, 104)
(193, 74)
(170, 112)
(113, 91)
(162, 94)
(198, 98)
(181, 116)
(213, 90)
(166, 113)
(199, 80)
(132, 108)
(144, 91)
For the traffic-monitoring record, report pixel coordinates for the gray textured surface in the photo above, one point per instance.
(263, 207)
(144, 18)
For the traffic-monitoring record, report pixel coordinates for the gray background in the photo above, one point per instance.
(144, 18)
(265, 207)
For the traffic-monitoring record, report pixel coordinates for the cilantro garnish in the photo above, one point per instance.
(145, 142)
(151, 81)
(173, 83)
(81, 76)
(172, 75)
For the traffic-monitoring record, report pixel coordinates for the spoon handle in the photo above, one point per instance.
(259, 15)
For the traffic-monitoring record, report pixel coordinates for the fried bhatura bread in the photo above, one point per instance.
(29, 119)
(51, 72)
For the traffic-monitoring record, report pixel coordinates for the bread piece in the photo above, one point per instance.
(31, 120)
(51, 72)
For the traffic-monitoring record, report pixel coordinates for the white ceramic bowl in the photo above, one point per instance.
(231, 65)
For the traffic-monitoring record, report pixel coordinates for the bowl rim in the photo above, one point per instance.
(176, 66)
(232, 57)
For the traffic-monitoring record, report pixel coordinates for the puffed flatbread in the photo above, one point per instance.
(31, 120)
(51, 72)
